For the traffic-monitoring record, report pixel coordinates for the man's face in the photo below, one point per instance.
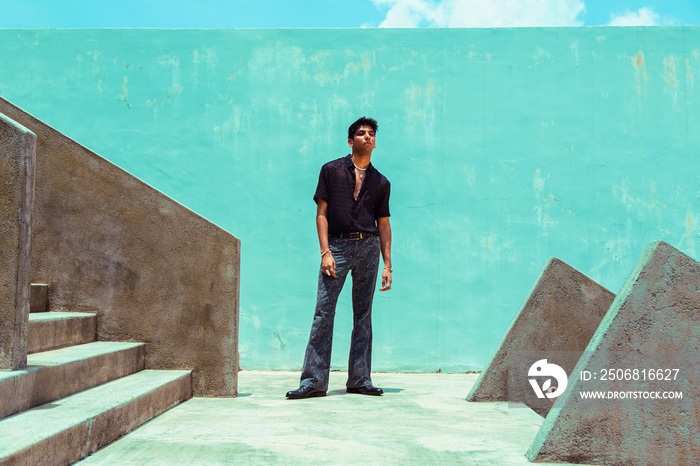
(363, 140)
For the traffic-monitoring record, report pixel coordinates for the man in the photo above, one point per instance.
(352, 219)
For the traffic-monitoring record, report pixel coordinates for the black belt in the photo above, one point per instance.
(355, 235)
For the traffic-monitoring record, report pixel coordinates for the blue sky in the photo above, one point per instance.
(344, 13)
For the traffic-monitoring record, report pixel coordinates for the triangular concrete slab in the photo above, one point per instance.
(560, 314)
(646, 349)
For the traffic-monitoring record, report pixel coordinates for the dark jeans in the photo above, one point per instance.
(361, 258)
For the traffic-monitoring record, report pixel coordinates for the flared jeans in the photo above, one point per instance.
(360, 258)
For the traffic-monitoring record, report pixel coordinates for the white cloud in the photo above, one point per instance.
(409, 13)
(481, 13)
(644, 17)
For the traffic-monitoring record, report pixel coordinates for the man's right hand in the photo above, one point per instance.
(328, 265)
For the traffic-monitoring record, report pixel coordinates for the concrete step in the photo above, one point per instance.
(55, 374)
(64, 431)
(51, 330)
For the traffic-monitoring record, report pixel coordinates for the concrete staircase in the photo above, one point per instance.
(77, 395)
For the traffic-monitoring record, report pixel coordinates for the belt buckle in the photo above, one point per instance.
(356, 235)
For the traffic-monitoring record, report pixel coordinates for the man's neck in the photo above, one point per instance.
(361, 159)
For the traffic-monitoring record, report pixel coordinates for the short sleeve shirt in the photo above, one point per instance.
(336, 184)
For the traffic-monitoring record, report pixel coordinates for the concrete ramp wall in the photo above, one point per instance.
(621, 371)
(151, 269)
(17, 147)
(560, 315)
(643, 361)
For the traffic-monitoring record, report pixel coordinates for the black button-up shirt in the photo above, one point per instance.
(336, 185)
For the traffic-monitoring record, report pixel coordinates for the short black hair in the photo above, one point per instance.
(364, 121)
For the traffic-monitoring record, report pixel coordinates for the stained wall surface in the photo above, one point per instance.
(504, 147)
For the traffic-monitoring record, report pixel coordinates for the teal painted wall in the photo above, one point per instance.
(504, 147)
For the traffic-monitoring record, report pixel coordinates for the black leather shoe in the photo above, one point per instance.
(307, 391)
(366, 390)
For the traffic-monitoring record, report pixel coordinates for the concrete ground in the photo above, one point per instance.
(420, 419)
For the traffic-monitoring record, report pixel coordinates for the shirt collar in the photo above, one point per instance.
(350, 164)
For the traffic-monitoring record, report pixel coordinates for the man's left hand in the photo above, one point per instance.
(386, 280)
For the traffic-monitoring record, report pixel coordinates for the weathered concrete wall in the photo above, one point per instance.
(504, 147)
(558, 318)
(17, 157)
(151, 269)
(653, 325)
